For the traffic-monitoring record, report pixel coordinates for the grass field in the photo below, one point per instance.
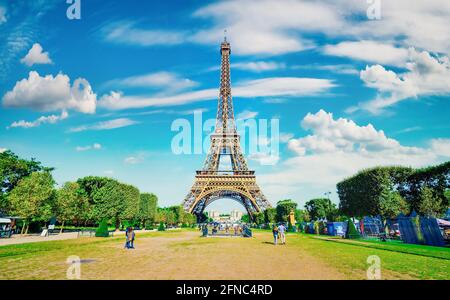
(183, 254)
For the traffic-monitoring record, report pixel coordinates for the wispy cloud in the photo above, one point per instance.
(3, 18)
(95, 146)
(135, 159)
(369, 51)
(52, 119)
(105, 125)
(128, 32)
(265, 87)
(246, 114)
(259, 66)
(409, 129)
(165, 80)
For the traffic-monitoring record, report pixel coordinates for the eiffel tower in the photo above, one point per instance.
(239, 183)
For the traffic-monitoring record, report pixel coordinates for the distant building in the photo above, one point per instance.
(236, 215)
(213, 214)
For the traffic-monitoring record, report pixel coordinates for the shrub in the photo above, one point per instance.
(161, 227)
(102, 230)
(352, 232)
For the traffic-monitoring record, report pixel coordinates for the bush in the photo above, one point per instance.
(352, 232)
(161, 227)
(149, 227)
(102, 230)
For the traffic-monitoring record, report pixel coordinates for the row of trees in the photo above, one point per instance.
(174, 215)
(389, 191)
(315, 209)
(28, 191)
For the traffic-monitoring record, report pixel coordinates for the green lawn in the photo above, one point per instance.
(415, 261)
(165, 250)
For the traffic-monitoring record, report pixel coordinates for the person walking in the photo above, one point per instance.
(132, 236)
(127, 242)
(282, 233)
(275, 234)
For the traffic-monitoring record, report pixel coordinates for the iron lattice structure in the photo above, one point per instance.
(238, 183)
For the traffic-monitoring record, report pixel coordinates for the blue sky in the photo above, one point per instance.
(97, 96)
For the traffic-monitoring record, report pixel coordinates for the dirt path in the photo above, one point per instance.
(187, 256)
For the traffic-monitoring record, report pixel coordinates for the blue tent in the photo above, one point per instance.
(336, 228)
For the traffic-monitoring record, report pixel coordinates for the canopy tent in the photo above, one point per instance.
(5, 221)
(443, 223)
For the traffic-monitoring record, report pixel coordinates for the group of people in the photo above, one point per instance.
(129, 238)
(279, 233)
(229, 229)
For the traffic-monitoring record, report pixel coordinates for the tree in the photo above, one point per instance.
(109, 202)
(90, 185)
(131, 199)
(321, 208)
(429, 204)
(33, 198)
(270, 215)
(302, 215)
(170, 217)
(392, 204)
(147, 208)
(12, 170)
(284, 208)
(71, 203)
(245, 218)
(258, 218)
(437, 178)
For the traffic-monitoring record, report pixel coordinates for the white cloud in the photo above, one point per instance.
(285, 137)
(2, 15)
(105, 125)
(259, 66)
(3, 150)
(266, 27)
(52, 119)
(36, 56)
(134, 159)
(126, 32)
(266, 87)
(50, 93)
(271, 27)
(109, 172)
(441, 147)
(95, 146)
(246, 114)
(426, 75)
(331, 135)
(338, 68)
(165, 80)
(338, 148)
(369, 51)
(264, 158)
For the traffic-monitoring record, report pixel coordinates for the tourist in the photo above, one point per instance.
(127, 243)
(275, 234)
(281, 232)
(132, 236)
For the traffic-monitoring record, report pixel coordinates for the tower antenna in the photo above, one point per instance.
(225, 35)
